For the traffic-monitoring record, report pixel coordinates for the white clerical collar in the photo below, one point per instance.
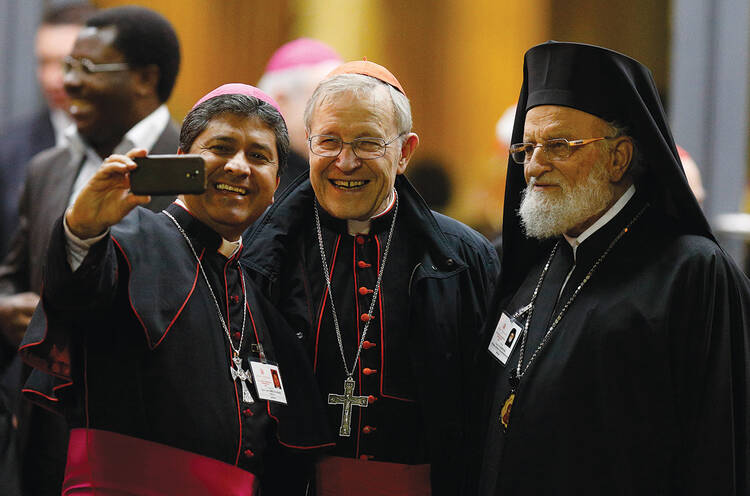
(355, 227)
(227, 248)
(601, 221)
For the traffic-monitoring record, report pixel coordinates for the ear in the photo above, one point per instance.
(408, 148)
(622, 155)
(147, 80)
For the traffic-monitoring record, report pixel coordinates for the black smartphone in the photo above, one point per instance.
(168, 175)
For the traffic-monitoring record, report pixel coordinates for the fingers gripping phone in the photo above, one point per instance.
(168, 175)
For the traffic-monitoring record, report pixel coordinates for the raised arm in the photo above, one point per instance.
(106, 198)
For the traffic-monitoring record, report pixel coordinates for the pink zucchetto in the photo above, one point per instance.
(239, 89)
(301, 52)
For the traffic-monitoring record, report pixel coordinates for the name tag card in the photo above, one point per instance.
(507, 334)
(268, 382)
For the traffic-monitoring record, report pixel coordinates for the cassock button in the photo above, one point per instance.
(247, 412)
(372, 399)
(367, 345)
(365, 317)
(368, 429)
(363, 265)
(369, 371)
(360, 240)
(237, 334)
(363, 291)
(235, 298)
(248, 453)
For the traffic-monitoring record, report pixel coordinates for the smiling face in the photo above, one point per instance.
(101, 104)
(241, 173)
(346, 186)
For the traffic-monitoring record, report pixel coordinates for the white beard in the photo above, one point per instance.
(549, 214)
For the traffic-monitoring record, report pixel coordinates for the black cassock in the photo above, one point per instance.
(136, 345)
(642, 387)
(416, 366)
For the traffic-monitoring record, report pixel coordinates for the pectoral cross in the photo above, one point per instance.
(347, 400)
(243, 375)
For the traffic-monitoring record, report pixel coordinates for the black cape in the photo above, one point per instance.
(135, 346)
(643, 385)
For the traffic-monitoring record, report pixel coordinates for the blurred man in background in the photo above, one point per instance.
(24, 138)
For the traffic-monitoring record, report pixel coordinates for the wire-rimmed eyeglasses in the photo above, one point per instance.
(553, 149)
(325, 145)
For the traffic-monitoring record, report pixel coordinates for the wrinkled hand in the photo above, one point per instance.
(15, 315)
(106, 198)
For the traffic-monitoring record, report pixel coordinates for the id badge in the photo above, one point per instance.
(268, 382)
(507, 334)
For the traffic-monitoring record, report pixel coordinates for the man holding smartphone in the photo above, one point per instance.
(154, 341)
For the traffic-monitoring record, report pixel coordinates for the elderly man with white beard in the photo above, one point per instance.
(629, 370)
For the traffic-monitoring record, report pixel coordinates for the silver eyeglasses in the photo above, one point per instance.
(324, 145)
(553, 149)
(85, 66)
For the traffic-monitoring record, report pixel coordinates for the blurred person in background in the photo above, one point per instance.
(120, 72)
(24, 138)
(290, 77)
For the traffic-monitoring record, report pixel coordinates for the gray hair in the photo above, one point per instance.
(361, 86)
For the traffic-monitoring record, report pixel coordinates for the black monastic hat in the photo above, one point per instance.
(615, 88)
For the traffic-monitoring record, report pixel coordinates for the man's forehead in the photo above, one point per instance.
(561, 119)
(103, 34)
(354, 107)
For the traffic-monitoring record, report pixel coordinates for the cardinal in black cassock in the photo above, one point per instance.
(634, 324)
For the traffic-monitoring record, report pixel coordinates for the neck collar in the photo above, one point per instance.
(202, 235)
(601, 221)
(374, 225)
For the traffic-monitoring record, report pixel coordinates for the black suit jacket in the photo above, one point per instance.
(18, 143)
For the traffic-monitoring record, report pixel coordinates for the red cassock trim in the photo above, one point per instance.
(106, 463)
(337, 476)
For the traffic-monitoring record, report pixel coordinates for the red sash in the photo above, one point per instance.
(338, 476)
(106, 463)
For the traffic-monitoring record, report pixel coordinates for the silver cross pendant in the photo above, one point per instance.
(244, 376)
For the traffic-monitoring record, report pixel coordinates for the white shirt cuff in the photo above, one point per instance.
(76, 248)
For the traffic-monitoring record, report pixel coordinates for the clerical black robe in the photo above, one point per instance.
(135, 342)
(416, 365)
(642, 387)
